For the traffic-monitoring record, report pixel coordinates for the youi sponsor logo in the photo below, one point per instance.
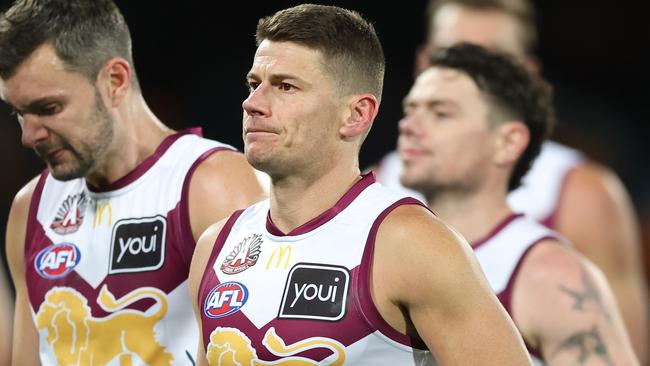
(315, 291)
(138, 245)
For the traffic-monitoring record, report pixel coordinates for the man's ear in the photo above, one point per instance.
(116, 78)
(512, 139)
(362, 110)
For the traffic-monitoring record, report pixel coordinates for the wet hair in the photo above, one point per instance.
(84, 34)
(352, 53)
(513, 94)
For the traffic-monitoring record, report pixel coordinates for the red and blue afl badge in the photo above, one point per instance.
(57, 260)
(225, 299)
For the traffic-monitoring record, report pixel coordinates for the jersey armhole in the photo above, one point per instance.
(183, 231)
(363, 299)
(505, 296)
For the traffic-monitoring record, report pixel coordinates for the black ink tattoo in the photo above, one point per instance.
(589, 343)
(583, 296)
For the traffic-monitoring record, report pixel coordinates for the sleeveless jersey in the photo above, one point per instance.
(501, 254)
(304, 297)
(107, 271)
(541, 188)
(539, 194)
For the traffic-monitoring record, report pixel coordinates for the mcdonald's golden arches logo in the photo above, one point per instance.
(103, 208)
(282, 252)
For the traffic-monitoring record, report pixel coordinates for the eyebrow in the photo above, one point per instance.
(277, 77)
(36, 104)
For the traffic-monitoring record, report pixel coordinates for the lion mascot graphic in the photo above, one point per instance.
(77, 338)
(229, 346)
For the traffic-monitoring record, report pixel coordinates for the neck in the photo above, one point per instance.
(475, 214)
(137, 134)
(297, 199)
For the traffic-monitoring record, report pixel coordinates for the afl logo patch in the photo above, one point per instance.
(70, 214)
(225, 299)
(243, 256)
(57, 260)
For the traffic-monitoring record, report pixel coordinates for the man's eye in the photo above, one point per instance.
(286, 86)
(252, 85)
(49, 110)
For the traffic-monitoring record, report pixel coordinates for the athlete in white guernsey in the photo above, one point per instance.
(96, 253)
(334, 269)
(99, 245)
(473, 122)
(305, 294)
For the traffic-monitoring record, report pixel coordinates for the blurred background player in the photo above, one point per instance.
(580, 198)
(473, 122)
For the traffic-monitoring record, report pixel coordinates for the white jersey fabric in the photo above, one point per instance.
(107, 270)
(268, 297)
(502, 252)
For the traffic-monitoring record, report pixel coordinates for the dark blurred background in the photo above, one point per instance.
(192, 57)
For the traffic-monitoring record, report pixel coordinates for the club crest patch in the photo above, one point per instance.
(243, 256)
(57, 260)
(70, 215)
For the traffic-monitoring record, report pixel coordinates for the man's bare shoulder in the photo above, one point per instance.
(221, 184)
(597, 191)
(415, 227)
(415, 248)
(225, 166)
(24, 196)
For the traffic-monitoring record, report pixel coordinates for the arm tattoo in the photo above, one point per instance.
(589, 343)
(588, 294)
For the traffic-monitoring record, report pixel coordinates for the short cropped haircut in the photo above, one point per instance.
(352, 52)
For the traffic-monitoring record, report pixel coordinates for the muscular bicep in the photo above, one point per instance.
(564, 307)
(222, 184)
(198, 267)
(596, 214)
(440, 285)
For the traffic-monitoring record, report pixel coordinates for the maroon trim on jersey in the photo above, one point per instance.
(364, 303)
(505, 296)
(208, 274)
(551, 220)
(183, 231)
(365, 181)
(143, 167)
(505, 222)
(32, 219)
